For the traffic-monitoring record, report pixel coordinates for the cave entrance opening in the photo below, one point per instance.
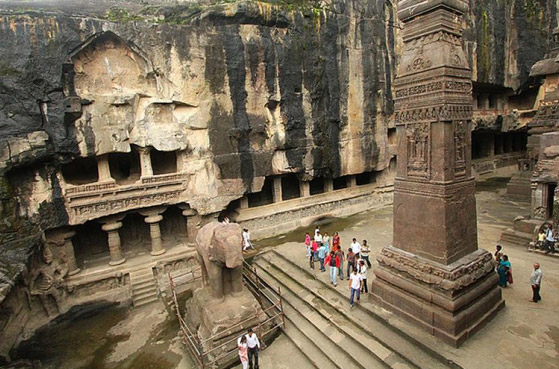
(264, 196)
(163, 162)
(125, 167)
(290, 188)
(81, 171)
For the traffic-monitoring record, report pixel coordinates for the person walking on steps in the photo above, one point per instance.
(536, 281)
(356, 247)
(365, 251)
(354, 286)
(334, 262)
(350, 261)
(243, 351)
(341, 257)
(308, 244)
(321, 257)
(362, 271)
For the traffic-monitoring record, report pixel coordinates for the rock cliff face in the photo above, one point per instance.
(239, 91)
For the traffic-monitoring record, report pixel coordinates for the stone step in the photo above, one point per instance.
(145, 300)
(143, 283)
(140, 295)
(365, 351)
(515, 237)
(308, 347)
(147, 288)
(363, 316)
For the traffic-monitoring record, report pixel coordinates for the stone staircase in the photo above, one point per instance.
(144, 288)
(320, 323)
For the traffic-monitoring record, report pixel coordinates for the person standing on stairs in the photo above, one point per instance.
(321, 257)
(334, 262)
(355, 283)
(365, 250)
(350, 261)
(253, 346)
(362, 271)
(341, 257)
(243, 351)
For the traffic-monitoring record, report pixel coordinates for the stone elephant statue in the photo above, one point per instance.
(220, 254)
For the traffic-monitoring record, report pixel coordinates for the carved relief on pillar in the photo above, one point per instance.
(460, 134)
(417, 136)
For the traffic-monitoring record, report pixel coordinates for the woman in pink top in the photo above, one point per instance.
(243, 351)
(308, 244)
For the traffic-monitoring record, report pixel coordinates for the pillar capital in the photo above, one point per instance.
(111, 226)
(151, 212)
(153, 219)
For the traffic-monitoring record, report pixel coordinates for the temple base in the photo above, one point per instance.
(450, 302)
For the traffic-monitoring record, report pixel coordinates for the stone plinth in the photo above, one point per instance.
(217, 323)
(450, 301)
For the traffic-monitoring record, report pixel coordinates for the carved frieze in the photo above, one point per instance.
(460, 134)
(434, 114)
(417, 136)
(450, 278)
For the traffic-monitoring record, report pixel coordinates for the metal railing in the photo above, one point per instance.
(272, 308)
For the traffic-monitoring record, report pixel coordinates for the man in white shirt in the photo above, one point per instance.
(318, 238)
(355, 286)
(253, 347)
(356, 248)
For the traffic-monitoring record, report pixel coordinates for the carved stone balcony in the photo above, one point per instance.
(92, 201)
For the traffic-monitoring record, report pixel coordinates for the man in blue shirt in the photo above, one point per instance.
(321, 256)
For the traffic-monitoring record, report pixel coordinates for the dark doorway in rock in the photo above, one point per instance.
(125, 167)
(81, 171)
(134, 234)
(90, 243)
(290, 187)
(340, 182)
(550, 198)
(264, 196)
(163, 162)
(317, 186)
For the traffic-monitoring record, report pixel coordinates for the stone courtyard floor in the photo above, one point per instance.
(522, 335)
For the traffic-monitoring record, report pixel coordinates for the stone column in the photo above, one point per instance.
(115, 249)
(70, 254)
(103, 169)
(328, 185)
(277, 189)
(244, 202)
(351, 181)
(145, 161)
(192, 225)
(433, 274)
(305, 188)
(155, 234)
(181, 161)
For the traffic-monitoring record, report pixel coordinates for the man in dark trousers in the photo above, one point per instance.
(536, 281)
(253, 347)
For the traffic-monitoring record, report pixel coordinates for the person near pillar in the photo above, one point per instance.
(536, 281)
(362, 270)
(355, 283)
(365, 251)
(549, 240)
(504, 269)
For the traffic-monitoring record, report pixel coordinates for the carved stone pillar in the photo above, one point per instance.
(328, 185)
(103, 169)
(277, 189)
(70, 254)
(351, 181)
(182, 157)
(155, 234)
(305, 188)
(145, 161)
(244, 202)
(434, 274)
(192, 225)
(115, 248)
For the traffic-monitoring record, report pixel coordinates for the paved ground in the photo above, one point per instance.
(524, 334)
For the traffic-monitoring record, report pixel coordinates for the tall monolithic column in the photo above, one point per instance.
(434, 274)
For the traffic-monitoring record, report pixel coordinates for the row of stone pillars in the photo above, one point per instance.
(112, 224)
(146, 167)
(304, 189)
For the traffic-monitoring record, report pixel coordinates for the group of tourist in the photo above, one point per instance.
(504, 269)
(329, 253)
(248, 346)
(547, 239)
